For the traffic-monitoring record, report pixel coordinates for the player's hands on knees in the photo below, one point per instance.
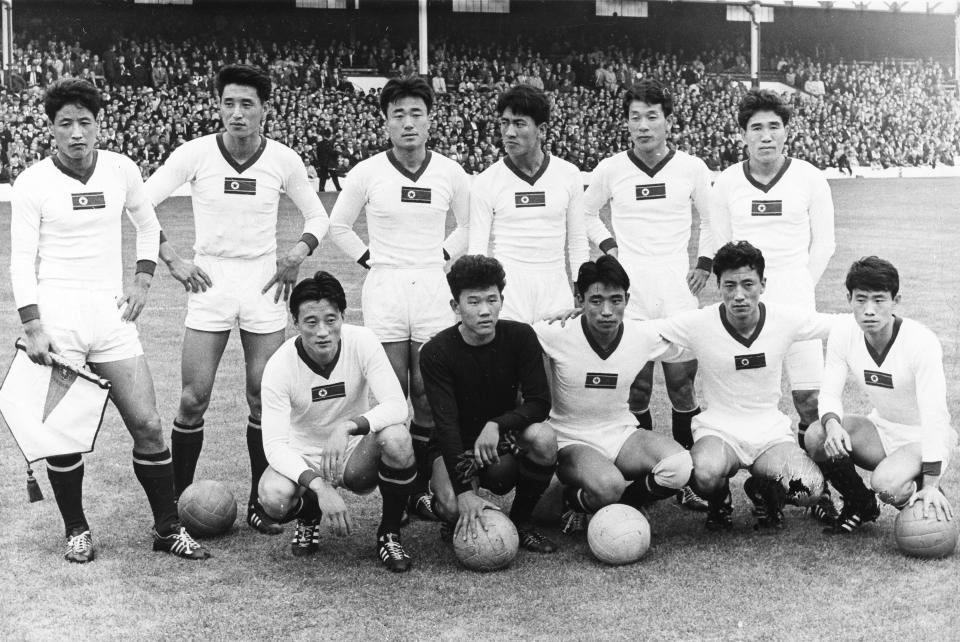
(333, 507)
(288, 267)
(134, 299)
(837, 443)
(39, 344)
(485, 447)
(190, 276)
(471, 507)
(562, 316)
(931, 497)
(696, 279)
(331, 463)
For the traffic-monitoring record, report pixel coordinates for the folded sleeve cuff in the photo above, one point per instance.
(29, 313)
(607, 245)
(306, 477)
(704, 263)
(310, 241)
(146, 267)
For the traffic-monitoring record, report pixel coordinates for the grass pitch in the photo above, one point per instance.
(798, 585)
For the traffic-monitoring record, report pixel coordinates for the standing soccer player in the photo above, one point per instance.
(783, 206)
(741, 344)
(320, 431)
(489, 394)
(235, 180)
(603, 458)
(406, 192)
(67, 209)
(906, 440)
(651, 189)
(533, 203)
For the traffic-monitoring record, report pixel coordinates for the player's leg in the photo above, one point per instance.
(894, 478)
(199, 360)
(859, 502)
(385, 459)
(640, 391)
(536, 463)
(679, 378)
(257, 350)
(284, 500)
(781, 471)
(421, 427)
(591, 481)
(444, 497)
(656, 465)
(714, 462)
(133, 394)
(66, 479)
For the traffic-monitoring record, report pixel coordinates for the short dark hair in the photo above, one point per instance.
(650, 91)
(407, 87)
(320, 286)
(72, 91)
(525, 100)
(246, 75)
(873, 274)
(606, 270)
(736, 255)
(762, 100)
(475, 272)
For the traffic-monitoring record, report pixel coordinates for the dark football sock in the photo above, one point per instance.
(844, 476)
(421, 451)
(154, 471)
(682, 432)
(66, 478)
(574, 500)
(645, 491)
(395, 486)
(802, 433)
(645, 419)
(533, 479)
(186, 443)
(258, 459)
(305, 508)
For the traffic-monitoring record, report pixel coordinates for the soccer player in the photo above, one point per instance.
(906, 440)
(783, 206)
(67, 209)
(235, 178)
(533, 203)
(473, 373)
(603, 458)
(741, 343)
(406, 192)
(320, 431)
(651, 189)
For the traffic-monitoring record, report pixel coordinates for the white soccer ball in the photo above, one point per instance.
(618, 534)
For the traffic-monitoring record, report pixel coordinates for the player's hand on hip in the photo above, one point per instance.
(331, 463)
(837, 444)
(334, 509)
(471, 507)
(485, 447)
(190, 276)
(696, 279)
(562, 316)
(39, 344)
(931, 497)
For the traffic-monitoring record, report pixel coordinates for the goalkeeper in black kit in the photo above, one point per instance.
(474, 374)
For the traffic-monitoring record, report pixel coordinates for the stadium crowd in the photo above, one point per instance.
(877, 114)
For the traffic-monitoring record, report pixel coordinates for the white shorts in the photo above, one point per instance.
(608, 441)
(657, 292)
(746, 450)
(406, 304)
(804, 360)
(236, 297)
(313, 461)
(531, 294)
(895, 436)
(85, 324)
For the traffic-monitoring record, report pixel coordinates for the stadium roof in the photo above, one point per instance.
(889, 6)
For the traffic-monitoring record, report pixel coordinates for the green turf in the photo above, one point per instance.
(799, 585)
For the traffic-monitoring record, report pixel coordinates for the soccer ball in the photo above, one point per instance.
(927, 538)
(618, 534)
(492, 549)
(207, 508)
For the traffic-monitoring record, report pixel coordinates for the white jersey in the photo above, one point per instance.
(406, 212)
(74, 224)
(302, 402)
(740, 376)
(905, 384)
(590, 385)
(534, 219)
(650, 207)
(235, 205)
(790, 219)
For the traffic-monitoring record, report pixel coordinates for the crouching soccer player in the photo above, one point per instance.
(906, 440)
(741, 343)
(320, 432)
(67, 208)
(603, 458)
(473, 373)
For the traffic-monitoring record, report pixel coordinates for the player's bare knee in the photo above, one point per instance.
(540, 442)
(445, 505)
(640, 395)
(803, 481)
(890, 487)
(276, 493)
(805, 401)
(396, 446)
(682, 393)
(814, 438)
(605, 489)
(147, 433)
(193, 403)
(673, 471)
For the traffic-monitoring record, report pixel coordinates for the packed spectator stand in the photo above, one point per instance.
(159, 94)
